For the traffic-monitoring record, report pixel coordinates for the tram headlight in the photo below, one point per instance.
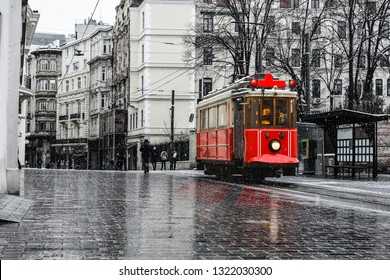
(274, 145)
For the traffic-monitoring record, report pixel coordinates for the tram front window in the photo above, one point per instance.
(267, 112)
(281, 112)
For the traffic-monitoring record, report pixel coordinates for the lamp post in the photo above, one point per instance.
(172, 120)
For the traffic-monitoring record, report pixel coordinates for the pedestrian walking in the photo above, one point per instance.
(164, 158)
(146, 151)
(173, 160)
(154, 157)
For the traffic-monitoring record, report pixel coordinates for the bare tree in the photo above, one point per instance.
(228, 33)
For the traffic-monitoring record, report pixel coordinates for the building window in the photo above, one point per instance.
(362, 62)
(329, 3)
(295, 57)
(53, 85)
(316, 88)
(106, 46)
(103, 73)
(53, 65)
(269, 56)
(388, 87)
(143, 54)
(208, 23)
(338, 61)
(379, 87)
(296, 27)
(142, 118)
(342, 29)
(239, 23)
(316, 25)
(270, 23)
(316, 58)
(79, 83)
(51, 105)
(43, 85)
(338, 87)
(43, 65)
(208, 56)
(205, 86)
(41, 104)
(295, 4)
(67, 86)
(384, 61)
(385, 32)
(76, 66)
(371, 6)
(285, 3)
(315, 4)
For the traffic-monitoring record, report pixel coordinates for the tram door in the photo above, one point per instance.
(238, 130)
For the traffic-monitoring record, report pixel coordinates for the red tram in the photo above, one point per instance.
(248, 128)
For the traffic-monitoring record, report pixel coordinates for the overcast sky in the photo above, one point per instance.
(60, 16)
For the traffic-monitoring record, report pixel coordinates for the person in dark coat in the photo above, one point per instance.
(154, 158)
(146, 153)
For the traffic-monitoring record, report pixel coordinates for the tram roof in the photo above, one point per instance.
(343, 117)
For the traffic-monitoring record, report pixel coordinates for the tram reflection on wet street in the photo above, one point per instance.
(184, 215)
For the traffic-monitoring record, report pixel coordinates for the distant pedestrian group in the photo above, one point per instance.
(150, 153)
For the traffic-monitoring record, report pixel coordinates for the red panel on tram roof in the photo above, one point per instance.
(269, 82)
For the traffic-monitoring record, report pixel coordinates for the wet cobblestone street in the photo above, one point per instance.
(180, 215)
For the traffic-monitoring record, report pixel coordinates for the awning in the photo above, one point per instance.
(343, 116)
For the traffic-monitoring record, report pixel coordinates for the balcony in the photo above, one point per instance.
(75, 117)
(63, 118)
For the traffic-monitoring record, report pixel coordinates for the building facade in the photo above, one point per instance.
(45, 68)
(342, 52)
(17, 26)
(72, 125)
(101, 125)
(156, 70)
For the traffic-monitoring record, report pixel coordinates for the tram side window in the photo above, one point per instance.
(254, 113)
(213, 117)
(282, 112)
(203, 120)
(222, 115)
(267, 112)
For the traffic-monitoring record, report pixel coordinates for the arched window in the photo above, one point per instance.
(43, 65)
(53, 65)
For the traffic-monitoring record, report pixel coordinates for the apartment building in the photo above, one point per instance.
(157, 69)
(101, 114)
(73, 101)
(279, 35)
(45, 66)
(18, 23)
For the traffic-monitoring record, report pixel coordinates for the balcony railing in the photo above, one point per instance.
(75, 116)
(63, 117)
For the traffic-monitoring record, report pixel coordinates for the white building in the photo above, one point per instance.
(72, 126)
(156, 69)
(100, 144)
(17, 25)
